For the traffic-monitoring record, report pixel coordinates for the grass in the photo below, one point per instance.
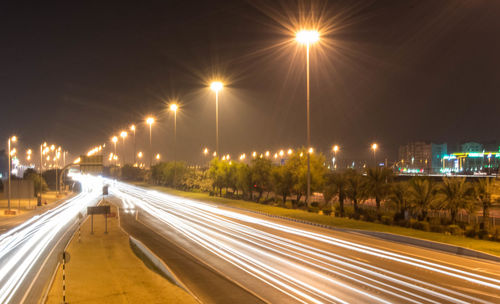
(480, 245)
(26, 205)
(103, 269)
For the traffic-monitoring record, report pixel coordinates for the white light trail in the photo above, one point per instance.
(305, 273)
(23, 248)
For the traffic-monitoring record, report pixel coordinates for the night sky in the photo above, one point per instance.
(385, 71)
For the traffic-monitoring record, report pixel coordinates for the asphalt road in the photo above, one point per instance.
(7, 223)
(208, 285)
(29, 251)
(284, 262)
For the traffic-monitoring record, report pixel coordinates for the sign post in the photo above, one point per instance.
(98, 210)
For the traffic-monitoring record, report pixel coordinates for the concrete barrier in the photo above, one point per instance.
(157, 262)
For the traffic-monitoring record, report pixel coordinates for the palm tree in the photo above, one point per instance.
(377, 183)
(456, 194)
(335, 184)
(483, 190)
(421, 195)
(355, 188)
(399, 196)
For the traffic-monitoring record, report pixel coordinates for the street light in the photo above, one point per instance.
(173, 108)
(114, 139)
(308, 37)
(11, 139)
(132, 128)
(150, 120)
(374, 148)
(123, 135)
(216, 86)
(335, 149)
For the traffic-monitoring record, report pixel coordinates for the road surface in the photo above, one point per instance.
(284, 262)
(29, 252)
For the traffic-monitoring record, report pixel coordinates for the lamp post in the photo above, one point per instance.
(174, 107)
(11, 139)
(150, 120)
(335, 149)
(123, 135)
(308, 37)
(216, 86)
(132, 128)
(114, 139)
(374, 148)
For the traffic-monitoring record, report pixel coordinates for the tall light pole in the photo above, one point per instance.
(123, 135)
(216, 86)
(173, 108)
(132, 128)
(150, 120)
(11, 139)
(114, 139)
(374, 148)
(335, 149)
(308, 37)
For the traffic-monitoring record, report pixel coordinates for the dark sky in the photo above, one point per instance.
(76, 73)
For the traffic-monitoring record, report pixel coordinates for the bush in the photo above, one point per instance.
(455, 230)
(437, 228)
(472, 231)
(387, 220)
(421, 225)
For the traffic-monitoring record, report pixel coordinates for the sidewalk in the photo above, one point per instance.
(22, 206)
(103, 269)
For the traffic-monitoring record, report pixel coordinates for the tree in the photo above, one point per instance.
(335, 184)
(216, 174)
(38, 181)
(260, 169)
(483, 190)
(399, 197)
(297, 164)
(377, 184)
(355, 188)
(456, 194)
(283, 181)
(421, 195)
(132, 173)
(244, 180)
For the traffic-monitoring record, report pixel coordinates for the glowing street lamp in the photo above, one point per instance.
(132, 128)
(216, 86)
(308, 37)
(335, 149)
(174, 107)
(114, 139)
(12, 139)
(123, 135)
(150, 120)
(374, 148)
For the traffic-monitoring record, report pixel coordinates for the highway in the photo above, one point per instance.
(29, 252)
(283, 262)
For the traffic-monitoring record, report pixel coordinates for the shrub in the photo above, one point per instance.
(437, 228)
(422, 225)
(455, 230)
(386, 220)
(472, 231)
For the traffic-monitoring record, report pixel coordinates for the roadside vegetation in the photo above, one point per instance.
(446, 207)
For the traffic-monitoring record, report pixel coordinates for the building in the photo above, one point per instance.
(472, 159)
(415, 157)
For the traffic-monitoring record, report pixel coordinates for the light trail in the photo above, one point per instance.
(23, 248)
(269, 252)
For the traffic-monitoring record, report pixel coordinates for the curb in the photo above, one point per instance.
(159, 264)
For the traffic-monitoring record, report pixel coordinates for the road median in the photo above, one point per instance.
(104, 269)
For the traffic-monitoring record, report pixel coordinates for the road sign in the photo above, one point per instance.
(91, 164)
(99, 210)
